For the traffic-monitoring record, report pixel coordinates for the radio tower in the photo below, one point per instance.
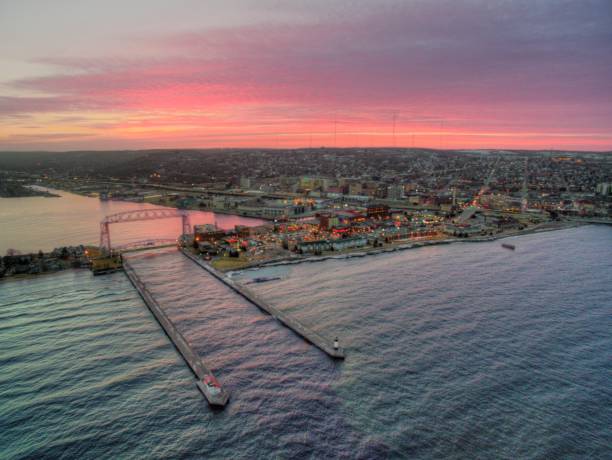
(335, 127)
(525, 190)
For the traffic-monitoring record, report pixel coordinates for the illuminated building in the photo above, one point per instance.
(377, 211)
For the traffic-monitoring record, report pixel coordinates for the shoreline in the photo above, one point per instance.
(547, 227)
(25, 276)
(157, 203)
(350, 254)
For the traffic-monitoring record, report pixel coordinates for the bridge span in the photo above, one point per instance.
(146, 245)
(141, 215)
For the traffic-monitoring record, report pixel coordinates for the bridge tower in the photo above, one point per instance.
(105, 242)
(186, 223)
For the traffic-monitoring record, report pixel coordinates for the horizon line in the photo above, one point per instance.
(323, 147)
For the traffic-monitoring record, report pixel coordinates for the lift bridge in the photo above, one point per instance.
(141, 215)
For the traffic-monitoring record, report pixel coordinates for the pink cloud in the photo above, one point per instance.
(469, 69)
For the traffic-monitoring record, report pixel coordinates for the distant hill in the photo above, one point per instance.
(81, 162)
(228, 165)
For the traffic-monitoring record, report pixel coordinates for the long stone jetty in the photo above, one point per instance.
(303, 331)
(207, 383)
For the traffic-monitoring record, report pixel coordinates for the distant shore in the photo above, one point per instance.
(16, 190)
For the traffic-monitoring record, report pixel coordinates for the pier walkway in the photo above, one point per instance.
(219, 396)
(303, 331)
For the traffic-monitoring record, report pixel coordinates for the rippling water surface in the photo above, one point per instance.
(459, 351)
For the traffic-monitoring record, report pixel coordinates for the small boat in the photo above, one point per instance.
(105, 271)
(263, 279)
(508, 246)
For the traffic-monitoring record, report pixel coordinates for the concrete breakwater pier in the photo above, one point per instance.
(207, 383)
(326, 345)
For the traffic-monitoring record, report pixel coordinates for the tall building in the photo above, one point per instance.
(395, 192)
(245, 182)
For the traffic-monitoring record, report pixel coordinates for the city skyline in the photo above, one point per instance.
(513, 75)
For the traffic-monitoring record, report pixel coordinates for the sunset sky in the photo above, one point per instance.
(240, 73)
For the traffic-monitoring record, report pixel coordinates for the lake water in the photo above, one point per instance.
(459, 351)
(32, 223)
